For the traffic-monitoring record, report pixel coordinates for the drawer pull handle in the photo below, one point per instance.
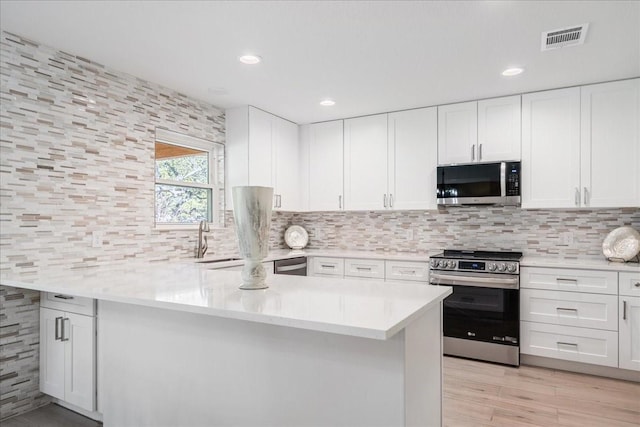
(624, 310)
(567, 309)
(58, 321)
(563, 280)
(637, 284)
(62, 335)
(567, 343)
(412, 272)
(327, 266)
(363, 268)
(65, 297)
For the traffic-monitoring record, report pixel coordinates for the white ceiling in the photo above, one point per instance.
(370, 57)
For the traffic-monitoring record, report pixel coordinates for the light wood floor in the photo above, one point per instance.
(482, 394)
(478, 394)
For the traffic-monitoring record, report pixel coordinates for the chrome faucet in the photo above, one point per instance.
(202, 240)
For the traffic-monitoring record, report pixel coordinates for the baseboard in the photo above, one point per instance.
(582, 368)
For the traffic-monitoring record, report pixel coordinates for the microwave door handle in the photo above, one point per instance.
(503, 179)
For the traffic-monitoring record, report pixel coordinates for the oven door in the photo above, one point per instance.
(483, 314)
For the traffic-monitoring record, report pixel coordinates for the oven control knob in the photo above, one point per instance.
(443, 263)
(451, 264)
(492, 266)
(501, 266)
(434, 263)
(511, 268)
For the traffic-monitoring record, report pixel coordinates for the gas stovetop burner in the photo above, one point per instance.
(486, 255)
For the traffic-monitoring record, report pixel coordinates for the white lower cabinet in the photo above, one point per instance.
(364, 268)
(67, 349)
(406, 271)
(629, 308)
(584, 345)
(630, 332)
(325, 266)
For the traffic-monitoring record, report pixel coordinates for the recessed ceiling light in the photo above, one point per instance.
(250, 59)
(327, 102)
(512, 72)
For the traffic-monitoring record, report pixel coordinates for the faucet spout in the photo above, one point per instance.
(203, 227)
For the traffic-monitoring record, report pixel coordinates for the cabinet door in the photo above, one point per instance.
(629, 337)
(457, 133)
(499, 129)
(365, 163)
(79, 362)
(326, 152)
(261, 154)
(610, 144)
(286, 165)
(413, 158)
(551, 149)
(51, 353)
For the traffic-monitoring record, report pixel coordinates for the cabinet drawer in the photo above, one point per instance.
(565, 342)
(327, 266)
(629, 283)
(70, 303)
(569, 308)
(561, 279)
(368, 268)
(407, 270)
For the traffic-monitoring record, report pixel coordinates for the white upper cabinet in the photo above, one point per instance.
(325, 166)
(365, 163)
(262, 149)
(412, 159)
(581, 146)
(551, 149)
(457, 133)
(499, 129)
(610, 146)
(479, 131)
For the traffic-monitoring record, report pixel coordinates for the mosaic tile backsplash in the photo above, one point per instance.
(76, 156)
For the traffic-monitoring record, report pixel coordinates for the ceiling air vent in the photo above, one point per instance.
(564, 37)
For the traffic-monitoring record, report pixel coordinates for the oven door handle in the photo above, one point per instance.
(483, 282)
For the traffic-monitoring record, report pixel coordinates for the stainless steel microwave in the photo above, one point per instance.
(479, 184)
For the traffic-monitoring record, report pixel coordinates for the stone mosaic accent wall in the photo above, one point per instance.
(534, 232)
(19, 351)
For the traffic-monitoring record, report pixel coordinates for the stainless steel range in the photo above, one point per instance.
(482, 316)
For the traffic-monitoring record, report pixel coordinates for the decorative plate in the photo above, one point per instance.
(296, 237)
(622, 244)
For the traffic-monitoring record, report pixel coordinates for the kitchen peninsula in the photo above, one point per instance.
(180, 344)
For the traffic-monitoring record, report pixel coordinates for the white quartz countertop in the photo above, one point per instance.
(361, 308)
(527, 261)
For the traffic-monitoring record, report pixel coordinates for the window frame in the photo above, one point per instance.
(166, 136)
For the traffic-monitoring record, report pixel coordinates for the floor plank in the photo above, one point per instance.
(479, 394)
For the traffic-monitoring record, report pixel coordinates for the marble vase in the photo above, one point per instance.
(252, 215)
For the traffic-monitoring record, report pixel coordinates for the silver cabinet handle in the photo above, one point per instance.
(637, 284)
(390, 200)
(363, 268)
(473, 152)
(577, 198)
(327, 266)
(624, 310)
(384, 200)
(58, 321)
(566, 343)
(340, 202)
(65, 297)
(412, 272)
(586, 196)
(280, 200)
(480, 152)
(62, 334)
(275, 200)
(567, 309)
(563, 280)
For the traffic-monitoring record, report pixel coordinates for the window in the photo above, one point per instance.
(189, 182)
